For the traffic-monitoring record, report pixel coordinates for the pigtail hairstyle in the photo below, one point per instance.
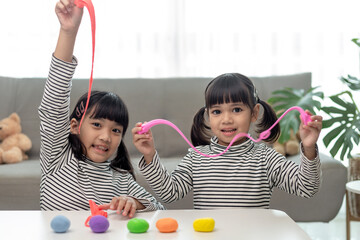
(199, 129)
(268, 119)
(226, 88)
(109, 106)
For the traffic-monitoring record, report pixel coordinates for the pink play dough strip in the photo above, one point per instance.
(90, 7)
(265, 134)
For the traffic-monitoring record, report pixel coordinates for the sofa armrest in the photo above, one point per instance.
(325, 205)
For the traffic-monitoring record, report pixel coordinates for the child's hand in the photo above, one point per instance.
(69, 15)
(144, 143)
(309, 134)
(127, 205)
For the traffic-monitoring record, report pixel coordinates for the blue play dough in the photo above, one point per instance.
(99, 224)
(60, 224)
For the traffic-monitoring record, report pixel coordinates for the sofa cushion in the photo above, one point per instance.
(20, 185)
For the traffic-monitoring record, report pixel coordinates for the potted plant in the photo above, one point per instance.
(343, 116)
(283, 99)
(346, 114)
(346, 134)
(344, 119)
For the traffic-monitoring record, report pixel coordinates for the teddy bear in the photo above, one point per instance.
(13, 143)
(289, 148)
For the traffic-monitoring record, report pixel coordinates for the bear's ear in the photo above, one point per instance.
(15, 117)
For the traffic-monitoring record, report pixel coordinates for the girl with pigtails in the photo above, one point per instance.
(246, 174)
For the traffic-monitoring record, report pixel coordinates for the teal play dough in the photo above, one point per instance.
(138, 225)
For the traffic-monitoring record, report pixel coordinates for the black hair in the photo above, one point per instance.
(106, 105)
(226, 88)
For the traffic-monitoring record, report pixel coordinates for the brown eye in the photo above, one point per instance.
(117, 130)
(96, 124)
(216, 112)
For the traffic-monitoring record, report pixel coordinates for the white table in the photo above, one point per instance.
(229, 224)
(352, 188)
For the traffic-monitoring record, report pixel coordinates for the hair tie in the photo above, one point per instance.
(256, 96)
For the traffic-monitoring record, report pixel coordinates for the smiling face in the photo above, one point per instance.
(100, 137)
(104, 125)
(232, 104)
(228, 119)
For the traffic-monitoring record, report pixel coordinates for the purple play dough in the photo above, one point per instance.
(99, 224)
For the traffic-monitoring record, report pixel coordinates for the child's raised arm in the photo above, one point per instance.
(309, 135)
(144, 143)
(69, 16)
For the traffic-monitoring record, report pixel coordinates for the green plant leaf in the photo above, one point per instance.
(356, 41)
(285, 98)
(275, 99)
(337, 145)
(332, 134)
(280, 108)
(285, 94)
(348, 145)
(344, 117)
(288, 123)
(336, 99)
(329, 122)
(332, 110)
(318, 94)
(346, 114)
(317, 105)
(352, 82)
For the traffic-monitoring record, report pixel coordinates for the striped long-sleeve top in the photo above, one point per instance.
(68, 183)
(242, 177)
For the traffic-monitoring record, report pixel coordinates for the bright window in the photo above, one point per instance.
(164, 38)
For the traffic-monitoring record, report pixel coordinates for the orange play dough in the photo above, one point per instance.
(167, 225)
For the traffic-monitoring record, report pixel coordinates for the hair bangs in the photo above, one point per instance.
(112, 108)
(227, 89)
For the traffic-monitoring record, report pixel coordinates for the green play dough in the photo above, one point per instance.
(138, 225)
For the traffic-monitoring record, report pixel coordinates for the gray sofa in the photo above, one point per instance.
(174, 99)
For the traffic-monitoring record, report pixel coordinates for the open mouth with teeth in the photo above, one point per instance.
(101, 148)
(229, 131)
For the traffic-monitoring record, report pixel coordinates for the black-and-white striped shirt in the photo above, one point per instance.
(68, 183)
(242, 177)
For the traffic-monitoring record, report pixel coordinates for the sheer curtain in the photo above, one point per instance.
(162, 38)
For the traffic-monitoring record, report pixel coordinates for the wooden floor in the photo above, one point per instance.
(334, 230)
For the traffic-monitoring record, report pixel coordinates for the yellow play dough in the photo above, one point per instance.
(204, 224)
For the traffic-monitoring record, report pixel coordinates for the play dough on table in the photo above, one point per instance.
(99, 224)
(60, 224)
(138, 225)
(167, 225)
(204, 224)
